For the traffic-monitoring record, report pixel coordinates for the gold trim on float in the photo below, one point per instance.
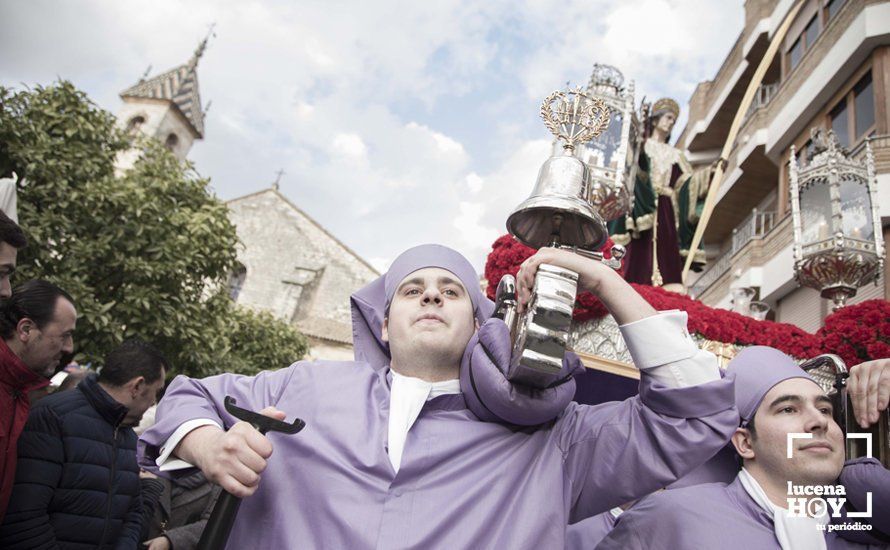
(724, 352)
(609, 366)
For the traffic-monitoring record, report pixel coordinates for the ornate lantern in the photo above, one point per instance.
(838, 244)
(611, 157)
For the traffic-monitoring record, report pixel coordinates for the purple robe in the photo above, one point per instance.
(859, 477)
(714, 515)
(587, 533)
(463, 483)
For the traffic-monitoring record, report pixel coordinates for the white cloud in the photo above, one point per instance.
(395, 123)
(380, 264)
(351, 147)
(665, 46)
(476, 237)
(474, 182)
(444, 144)
(304, 110)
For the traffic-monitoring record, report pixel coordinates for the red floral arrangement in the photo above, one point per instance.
(856, 333)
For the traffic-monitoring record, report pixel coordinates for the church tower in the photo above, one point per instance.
(166, 107)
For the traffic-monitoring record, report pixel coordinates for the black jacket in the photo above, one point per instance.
(77, 482)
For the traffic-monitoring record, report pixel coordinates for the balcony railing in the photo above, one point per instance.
(756, 226)
(710, 276)
(762, 97)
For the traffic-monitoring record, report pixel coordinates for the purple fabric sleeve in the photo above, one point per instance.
(859, 477)
(189, 398)
(493, 398)
(618, 452)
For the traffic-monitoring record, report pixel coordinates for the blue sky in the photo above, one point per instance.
(396, 123)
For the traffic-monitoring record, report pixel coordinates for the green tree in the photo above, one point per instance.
(144, 253)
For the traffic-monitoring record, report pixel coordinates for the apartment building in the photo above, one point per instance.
(832, 70)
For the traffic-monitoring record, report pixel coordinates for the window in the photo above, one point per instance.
(834, 6)
(236, 281)
(135, 124)
(812, 31)
(839, 123)
(803, 155)
(804, 42)
(864, 105)
(795, 53)
(172, 142)
(853, 118)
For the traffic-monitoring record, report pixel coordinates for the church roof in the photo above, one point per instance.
(180, 86)
(274, 190)
(326, 329)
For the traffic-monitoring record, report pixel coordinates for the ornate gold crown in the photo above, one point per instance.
(575, 116)
(666, 104)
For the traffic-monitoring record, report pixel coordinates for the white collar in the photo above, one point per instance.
(792, 533)
(407, 397)
(445, 387)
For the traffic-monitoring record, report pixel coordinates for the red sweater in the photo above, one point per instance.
(16, 380)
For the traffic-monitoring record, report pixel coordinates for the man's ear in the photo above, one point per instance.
(137, 385)
(23, 329)
(384, 332)
(742, 441)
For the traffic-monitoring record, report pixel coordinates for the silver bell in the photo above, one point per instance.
(557, 212)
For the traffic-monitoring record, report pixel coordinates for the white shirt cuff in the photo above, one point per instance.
(167, 461)
(661, 346)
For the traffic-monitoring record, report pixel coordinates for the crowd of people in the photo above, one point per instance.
(423, 441)
(68, 464)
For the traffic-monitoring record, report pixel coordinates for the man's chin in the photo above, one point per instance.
(822, 473)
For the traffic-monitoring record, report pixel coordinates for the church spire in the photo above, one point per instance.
(179, 86)
(193, 62)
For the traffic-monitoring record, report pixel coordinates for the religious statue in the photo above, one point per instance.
(668, 199)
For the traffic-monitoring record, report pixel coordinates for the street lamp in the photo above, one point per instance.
(838, 244)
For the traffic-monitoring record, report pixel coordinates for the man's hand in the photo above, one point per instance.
(622, 301)
(145, 474)
(159, 543)
(590, 272)
(234, 459)
(869, 390)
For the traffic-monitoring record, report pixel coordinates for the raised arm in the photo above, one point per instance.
(659, 342)
(622, 301)
(684, 414)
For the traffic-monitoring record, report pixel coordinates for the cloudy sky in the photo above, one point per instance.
(396, 123)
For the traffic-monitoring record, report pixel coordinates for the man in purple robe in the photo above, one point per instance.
(394, 457)
(776, 399)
